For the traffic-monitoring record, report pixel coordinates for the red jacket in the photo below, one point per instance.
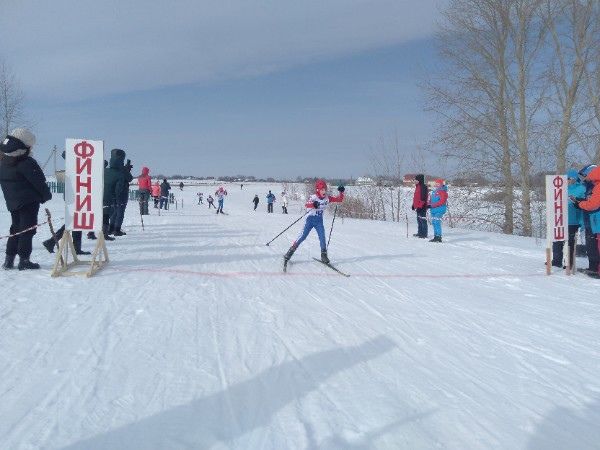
(156, 190)
(144, 180)
(593, 201)
(418, 202)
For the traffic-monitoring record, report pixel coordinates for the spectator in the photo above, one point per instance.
(420, 206)
(24, 187)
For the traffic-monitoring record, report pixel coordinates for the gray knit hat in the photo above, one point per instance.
(19, 142)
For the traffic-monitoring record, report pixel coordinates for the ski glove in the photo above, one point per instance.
(316, 204)
(341, 188)
(576, 202)
(413, 207)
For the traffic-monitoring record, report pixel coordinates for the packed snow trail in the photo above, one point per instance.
(193, 337)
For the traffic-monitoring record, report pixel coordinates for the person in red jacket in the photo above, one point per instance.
(592, 206)
(420, 206)
(155, 189)
(144, 188)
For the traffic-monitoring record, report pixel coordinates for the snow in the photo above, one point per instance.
(193, 338)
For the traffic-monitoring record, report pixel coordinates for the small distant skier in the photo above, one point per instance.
(438, 201)
(270, 201)
(210, 201)
(284, 202)
(181, 186)
(200, 198)
(317, 203)
(156, 193)
(220, 194)
(165, 187)
(255, 201)
(241, 187)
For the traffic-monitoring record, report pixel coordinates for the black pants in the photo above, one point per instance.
(591, 244)
(557, 248)
(255, 205)
(144, 196)
(284, 209)
(23, 218)
(270, 207)
(422, 222)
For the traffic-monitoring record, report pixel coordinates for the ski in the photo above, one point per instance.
(332, 267)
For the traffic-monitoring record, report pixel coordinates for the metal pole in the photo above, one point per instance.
(331, 229)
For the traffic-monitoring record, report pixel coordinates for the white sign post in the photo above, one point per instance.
(84, 191)
(557, 217)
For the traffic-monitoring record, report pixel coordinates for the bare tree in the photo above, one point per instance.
(473, 97)
(574, 30)
(11, 99)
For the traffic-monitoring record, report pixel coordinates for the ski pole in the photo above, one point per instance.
(331, 229)
(294, 223)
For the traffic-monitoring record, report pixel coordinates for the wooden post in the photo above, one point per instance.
(548, 261)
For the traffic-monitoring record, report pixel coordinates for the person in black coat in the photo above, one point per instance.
(117, 160)
(24, 186)
(165, 187)
(255, 201)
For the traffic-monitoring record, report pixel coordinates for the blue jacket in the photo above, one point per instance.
(439, 200)
(578, 191)
(270, 198)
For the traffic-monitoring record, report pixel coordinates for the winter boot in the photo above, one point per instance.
(436, 239)
(49, 244)
(25, 264)
(78, 250)
(107, 237)
(324, 257)
(119, 232)
(9, 262)
(91, 235)
(289, 253)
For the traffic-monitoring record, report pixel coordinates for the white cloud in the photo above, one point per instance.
(72, 49)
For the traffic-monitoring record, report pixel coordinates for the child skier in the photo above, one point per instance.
(317, 203)
(200, 198)
(220, 194)
(438, 203)
(210, 201)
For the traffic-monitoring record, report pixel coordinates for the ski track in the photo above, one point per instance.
(460, 345)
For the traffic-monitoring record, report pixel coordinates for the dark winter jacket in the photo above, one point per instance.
(255, 200)
(165, 187)
(23, 182)
(115, 179)
(421, 193)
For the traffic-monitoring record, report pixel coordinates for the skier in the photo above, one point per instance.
(317, 203)
(420, 206)
(156, 193)
(200, 195)
(255, 201)
(270, 200)
(118, 214)
(144, 188)
(210, 201)
(284, 202)
(220, 194)
(181, 186)
(438, 203)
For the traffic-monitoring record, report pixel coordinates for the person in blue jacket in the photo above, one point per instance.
(438, 202)
(576, 190)
(591, 243)
(270, 200)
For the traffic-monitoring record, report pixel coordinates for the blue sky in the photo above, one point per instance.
(311, 96)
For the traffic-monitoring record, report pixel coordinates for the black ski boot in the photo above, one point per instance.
(9, 262)
(49, 244)
(25, 264)
(91, 235)
(289, 253)
(119, 232)
(324, 257)
(436, 239)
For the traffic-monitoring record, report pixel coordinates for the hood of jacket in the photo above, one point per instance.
(145, 171)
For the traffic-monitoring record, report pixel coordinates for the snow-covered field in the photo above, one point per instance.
(193, 338)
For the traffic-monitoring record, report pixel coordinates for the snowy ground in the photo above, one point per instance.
(193, 338)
